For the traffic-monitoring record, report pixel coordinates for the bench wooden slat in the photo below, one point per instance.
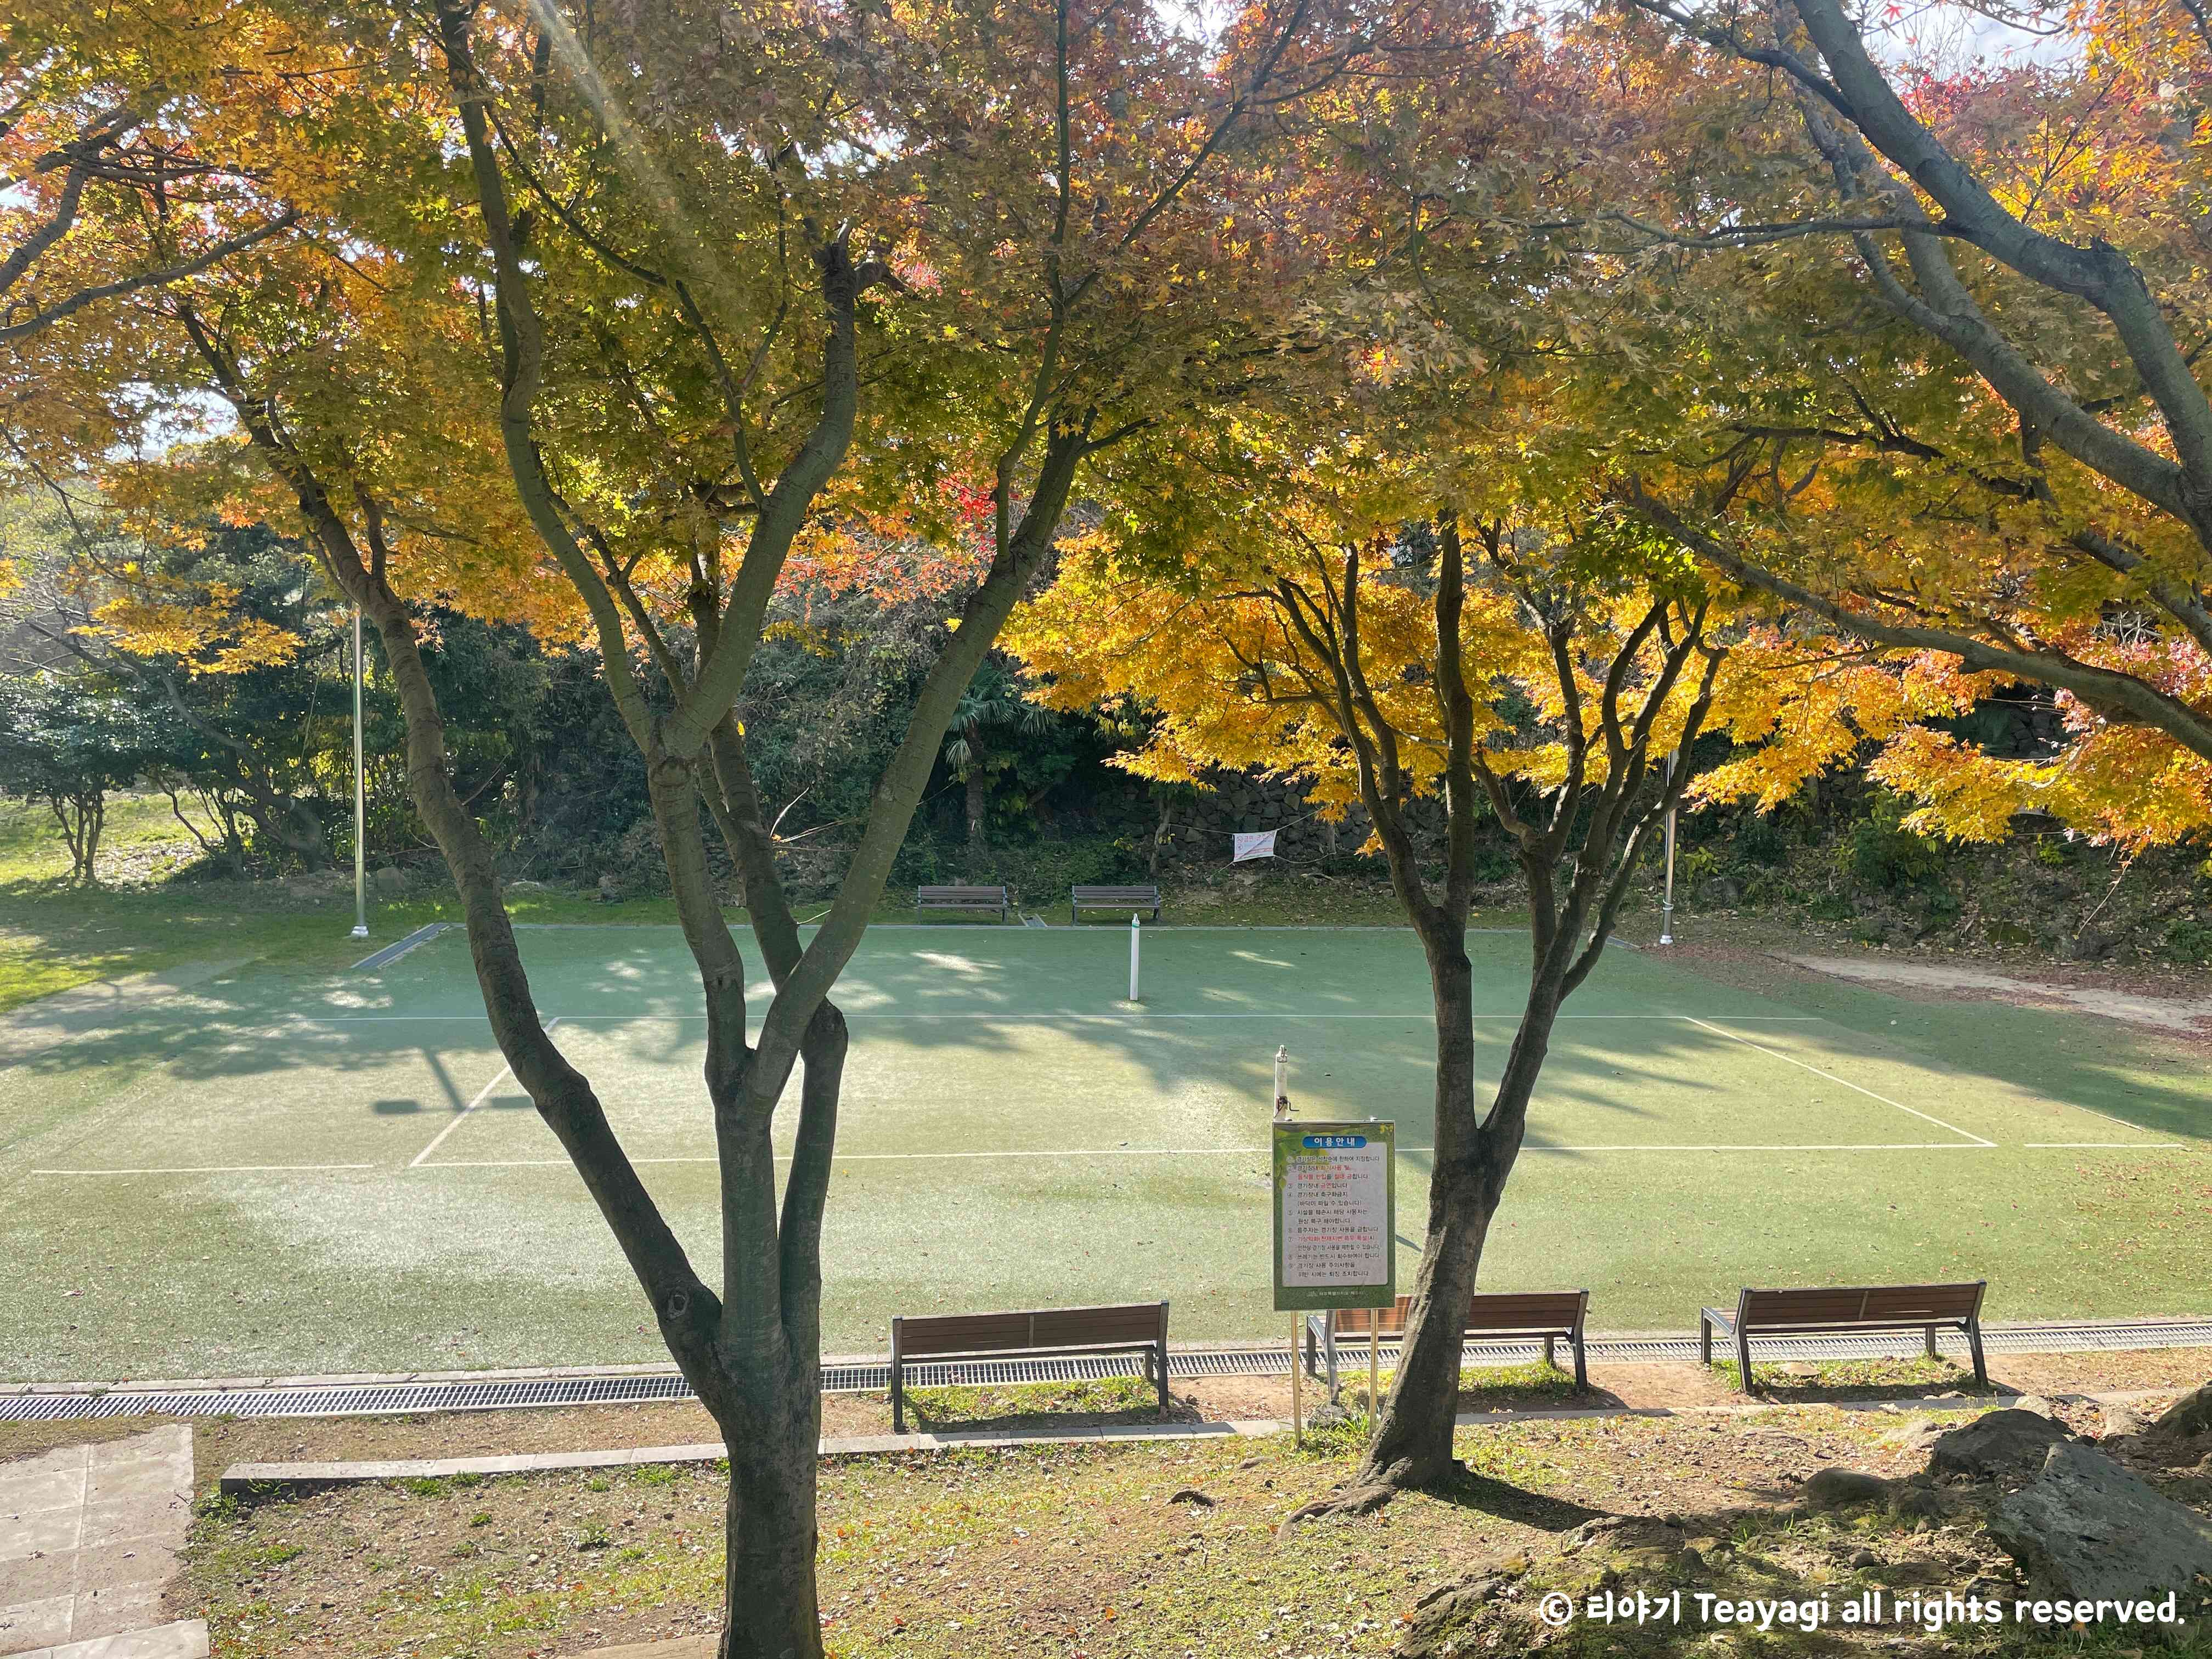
(1551, 1315)
(1117, 1328)
(963, 897)
(1501, 1313)
(963, 1332)
(1903, 1303)
(1143, 895)
(1389, 1322)
(1939, 1301)
(1537, 1307)
(1139, 1323)
(1822, 1308)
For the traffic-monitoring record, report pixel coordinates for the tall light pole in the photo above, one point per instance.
(1667, 903)
(360, 799)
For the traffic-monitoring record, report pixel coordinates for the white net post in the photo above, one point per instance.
(1136, 931)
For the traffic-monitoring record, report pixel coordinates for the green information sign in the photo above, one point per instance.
(1336, 1216)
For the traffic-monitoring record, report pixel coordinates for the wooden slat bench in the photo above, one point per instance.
(963, 898)
(1556, 1316)
(1144, 898)
(1928, 1307)
(1139, 1327)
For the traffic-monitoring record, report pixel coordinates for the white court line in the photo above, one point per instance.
(214, 1169)
(1283, 1014)
(482, 1095)
(1211, 1152)
(1424, 1014)
(2119, 1122)
(1924, 1117)
(1784, 1146)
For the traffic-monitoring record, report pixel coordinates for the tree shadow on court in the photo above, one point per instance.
(641, 982)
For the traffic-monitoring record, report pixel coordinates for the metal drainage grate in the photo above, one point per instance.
(378, 960)
(498, 1394)
(353, 1400)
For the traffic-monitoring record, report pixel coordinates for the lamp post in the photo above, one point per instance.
(360, 799)
(1667, 902)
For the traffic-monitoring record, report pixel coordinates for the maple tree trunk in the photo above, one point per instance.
(1412, 1443)
(771, 1608)
(762, 1385)
(770, 1411)
(979, 807)
(753, 1353)
(758, 1376)
(1160, 837)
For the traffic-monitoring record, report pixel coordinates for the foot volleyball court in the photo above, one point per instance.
(290, 1173)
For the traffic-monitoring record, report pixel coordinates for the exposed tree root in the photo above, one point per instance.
(1349, 1500)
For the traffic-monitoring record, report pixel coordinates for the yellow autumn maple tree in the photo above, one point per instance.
(1386, 612)
(1932, 382)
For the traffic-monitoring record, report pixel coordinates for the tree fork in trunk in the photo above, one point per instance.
(752, 1351)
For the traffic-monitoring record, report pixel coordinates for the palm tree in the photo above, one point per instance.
(994, 701)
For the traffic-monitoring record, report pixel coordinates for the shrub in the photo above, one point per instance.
(1758, 839)
(1831, 907)
(1881, 852)
(2189, 940)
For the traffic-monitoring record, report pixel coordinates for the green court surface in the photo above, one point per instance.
(272, 1173)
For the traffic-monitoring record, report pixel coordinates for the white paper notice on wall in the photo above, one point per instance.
(1258, 844)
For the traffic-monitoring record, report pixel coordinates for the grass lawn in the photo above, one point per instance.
(54, 936)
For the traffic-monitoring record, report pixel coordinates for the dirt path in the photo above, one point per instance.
(2137, 1008)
